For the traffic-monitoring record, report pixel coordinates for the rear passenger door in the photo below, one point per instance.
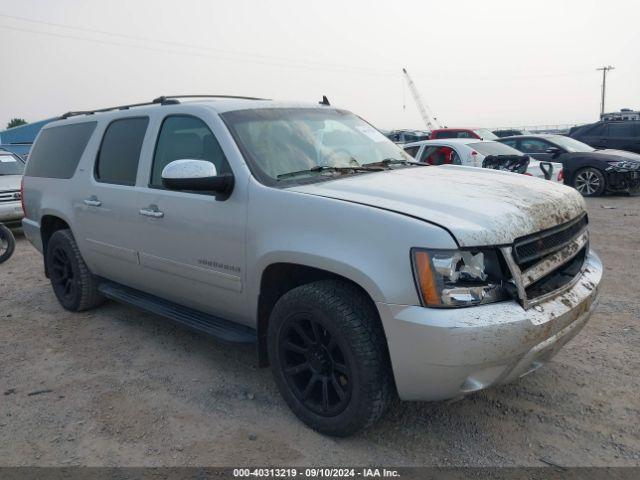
(621, 135)
(105, 203)
(192, 246)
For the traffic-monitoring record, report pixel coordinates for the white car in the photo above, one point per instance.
(471, 152)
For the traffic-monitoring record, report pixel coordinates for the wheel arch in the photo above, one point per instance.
(278, 278)
(50, 223)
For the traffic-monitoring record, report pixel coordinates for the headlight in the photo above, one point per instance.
(458, 278)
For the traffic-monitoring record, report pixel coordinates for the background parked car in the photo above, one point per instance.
(592, 172)
(471, 152)
(406, 136)
(622, 135)
(509, 132)
(480, 133)
(11, 170)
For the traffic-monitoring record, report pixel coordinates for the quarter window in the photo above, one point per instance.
(120, 151)
(57, 150)
(185, 137)
(600, 129)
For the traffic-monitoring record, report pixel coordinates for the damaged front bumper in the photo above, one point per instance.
(624, 179)
(444, 353)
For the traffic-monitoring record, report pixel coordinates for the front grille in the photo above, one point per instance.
(12, 196)
(547, 262)
(533, 247)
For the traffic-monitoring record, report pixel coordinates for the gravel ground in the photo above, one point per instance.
(118, 387)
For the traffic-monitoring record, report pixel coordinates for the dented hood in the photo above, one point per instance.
(478, 206)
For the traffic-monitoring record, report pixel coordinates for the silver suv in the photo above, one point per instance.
(358, 273)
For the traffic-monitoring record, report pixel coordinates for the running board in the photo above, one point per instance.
(203, 322)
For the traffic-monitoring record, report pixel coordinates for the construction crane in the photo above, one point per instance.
(431, 123)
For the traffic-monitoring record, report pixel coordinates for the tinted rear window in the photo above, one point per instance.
(622, 129)
(57, 151)
(119, 153)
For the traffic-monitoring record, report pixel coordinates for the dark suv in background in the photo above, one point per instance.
(621, 135)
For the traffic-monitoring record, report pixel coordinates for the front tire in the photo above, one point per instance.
(329, 357)
(590, 182)
(75, 287)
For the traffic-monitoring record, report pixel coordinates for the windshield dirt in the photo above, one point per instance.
(287, 143)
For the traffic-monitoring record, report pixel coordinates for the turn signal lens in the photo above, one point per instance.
(426, 279)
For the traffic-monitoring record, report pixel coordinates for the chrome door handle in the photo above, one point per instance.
(151, 211)
(92, 201)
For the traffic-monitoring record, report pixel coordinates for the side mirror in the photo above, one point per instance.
(197, 175)
(553, 151)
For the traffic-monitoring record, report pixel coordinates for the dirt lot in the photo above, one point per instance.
(118, 387)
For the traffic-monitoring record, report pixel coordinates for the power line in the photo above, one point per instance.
(250, 57)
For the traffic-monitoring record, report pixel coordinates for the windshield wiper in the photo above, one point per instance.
(396, 161)
(328, 168)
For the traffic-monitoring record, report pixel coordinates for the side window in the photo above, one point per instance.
(185, 137)
(57, 150)
(621, 129)
(439, 155)
(512, 142)
(463, 134)
(533, 145)
(119, 152)
(413, 151)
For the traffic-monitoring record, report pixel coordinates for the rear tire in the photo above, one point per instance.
(7, 243)
(590, 182)
(329, 357)
(75, 287)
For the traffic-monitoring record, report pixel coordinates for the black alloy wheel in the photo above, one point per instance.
(63, 278)
(315, 366)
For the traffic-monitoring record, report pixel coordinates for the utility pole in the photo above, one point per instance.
(604, 85)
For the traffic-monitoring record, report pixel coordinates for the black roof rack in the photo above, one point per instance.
(162, 100)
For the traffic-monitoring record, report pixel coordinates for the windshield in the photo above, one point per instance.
(494, 148)
(485, 134)
(307, 141)
(571, 145)
(10, 165)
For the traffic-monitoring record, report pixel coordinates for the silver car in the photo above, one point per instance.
(11, 169)
(358, 273)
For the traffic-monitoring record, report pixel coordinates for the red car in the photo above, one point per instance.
(481, 133)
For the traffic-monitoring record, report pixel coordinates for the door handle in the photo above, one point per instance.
(92, 201)
(151, 211)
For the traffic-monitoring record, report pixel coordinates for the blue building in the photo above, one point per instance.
(19, 139)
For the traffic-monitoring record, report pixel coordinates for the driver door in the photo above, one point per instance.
(193, 245)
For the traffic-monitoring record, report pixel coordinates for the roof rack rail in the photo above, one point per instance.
(173, 97)
(162, 100)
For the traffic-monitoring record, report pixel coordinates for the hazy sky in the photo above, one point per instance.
(476, 63)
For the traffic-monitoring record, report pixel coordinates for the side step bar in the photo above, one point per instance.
(216, 327)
